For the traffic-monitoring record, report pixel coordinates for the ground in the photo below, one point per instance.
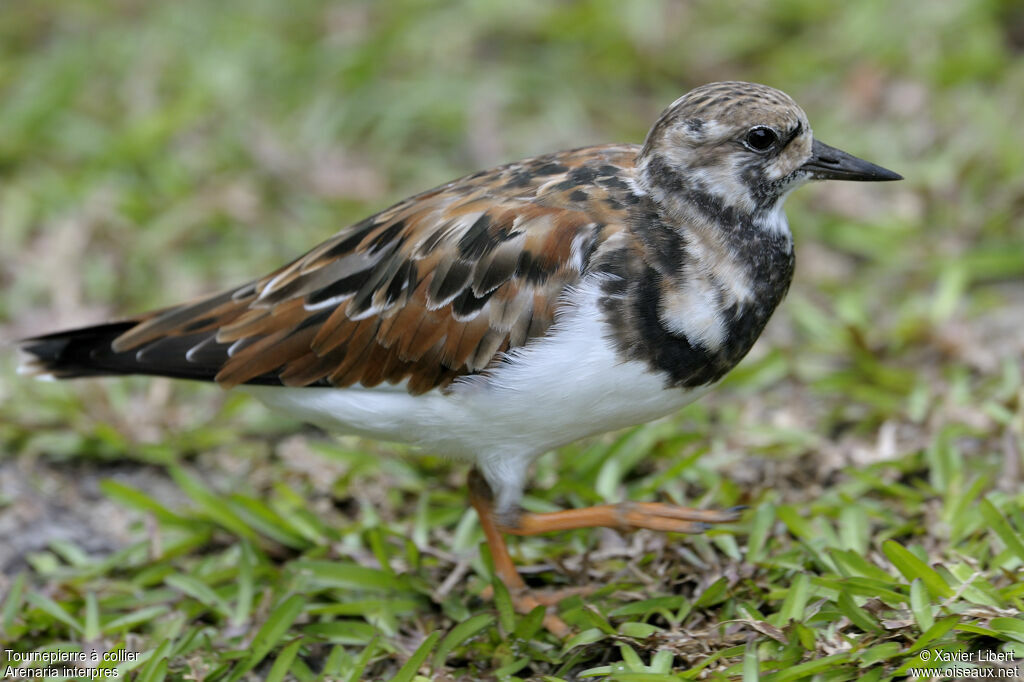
(153, 152)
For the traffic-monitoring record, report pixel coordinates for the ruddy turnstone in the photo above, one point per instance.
(516, 309)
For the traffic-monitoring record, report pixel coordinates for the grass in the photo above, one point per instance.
(151, 152)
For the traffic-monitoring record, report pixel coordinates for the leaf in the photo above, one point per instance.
(351, 576)
(798, 525)
(199, 591)
(266, 521)
(246, 587)
(715, 593)
(1001, 527)
(503, 604)
(55, 610)
(638, 630)
(529, 624)
(879, 653)
(848, 561)
(12, 601)
(156, 667)
(934, 633)
(91, 632)
(911, 567)
(130, 497)
(283, 661)
(764, 519)
(584, 637)
(854, 528)
(407, 671)
(1010, 627)
(271, 632)
(920, 606)
(856, 614)
(459, 634)
(360, 664)
(212, 505)
(805, 671)
(343, 631)
(795, 602)
(646, 607)
(751, 666)
(865, 587)
(133, 618)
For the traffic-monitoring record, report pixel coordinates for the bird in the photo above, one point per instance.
(516, 309)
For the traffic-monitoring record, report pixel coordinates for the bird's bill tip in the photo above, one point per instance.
(829, 163)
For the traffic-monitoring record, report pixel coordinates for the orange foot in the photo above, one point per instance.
(623, 516)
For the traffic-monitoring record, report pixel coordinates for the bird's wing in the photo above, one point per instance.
(436, 287)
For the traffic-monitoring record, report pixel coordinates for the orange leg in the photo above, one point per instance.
(623, 516)
(523, 600)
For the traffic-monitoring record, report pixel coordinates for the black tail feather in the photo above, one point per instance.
(88, 352)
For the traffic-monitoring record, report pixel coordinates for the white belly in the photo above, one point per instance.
(555, 390)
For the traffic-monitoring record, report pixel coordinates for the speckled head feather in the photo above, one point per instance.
(706, 144)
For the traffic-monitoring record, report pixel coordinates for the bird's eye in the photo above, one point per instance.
(760, 139)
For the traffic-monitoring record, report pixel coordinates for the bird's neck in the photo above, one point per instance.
(696, 285)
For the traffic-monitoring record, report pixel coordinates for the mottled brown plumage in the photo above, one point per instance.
(435, 287)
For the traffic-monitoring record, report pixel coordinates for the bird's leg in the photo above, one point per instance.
(622, 516)
(523, 599)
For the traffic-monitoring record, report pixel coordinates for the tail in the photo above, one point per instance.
(178, 342)
(89, 352)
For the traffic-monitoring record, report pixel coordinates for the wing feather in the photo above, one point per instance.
(436, 287)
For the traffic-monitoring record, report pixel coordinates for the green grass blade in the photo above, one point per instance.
(461, 633)
(129, 620)
(408, 671)
(1001, 527)
(212, 505)
(12, 602)
(751, 666)
(136, 499)
(503, 604)
(283, 662)
(795, 602)
(54, 610)
(91, 632)
(356, 674)
(764, 519)
(271, 632)
(856, 614)
(1012, 628)
(156, 667)
(246, 588)
(200, 591)
(351, 576)
(920, 606)
(911, 567)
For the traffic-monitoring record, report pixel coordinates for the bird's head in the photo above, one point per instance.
(740, 146)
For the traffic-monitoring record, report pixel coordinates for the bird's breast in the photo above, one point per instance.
(690, 303)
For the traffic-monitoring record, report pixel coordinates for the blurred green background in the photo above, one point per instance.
(151, 152)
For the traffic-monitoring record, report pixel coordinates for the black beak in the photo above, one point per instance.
(829, 163)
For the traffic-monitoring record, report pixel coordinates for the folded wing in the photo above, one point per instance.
(436, 287)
